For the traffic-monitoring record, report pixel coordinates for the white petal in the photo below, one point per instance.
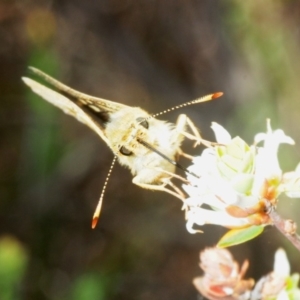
(281, 263)
(202, 216)
(283, 295)
(282, 138)
(291, 183)
(222, 135)
(222, 190)
(293, 194)
(259, 138)
(244, 201)
(193, 191)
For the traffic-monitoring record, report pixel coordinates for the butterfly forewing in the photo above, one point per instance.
(95, 103)
(69, 107)
(92, 111)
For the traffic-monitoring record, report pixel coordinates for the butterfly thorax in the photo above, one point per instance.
(125, 131)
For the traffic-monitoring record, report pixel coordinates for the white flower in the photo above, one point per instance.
(235, 177)
(278, 284)
(291, 183)
(222, 277)
(281, 264)
(267, 165)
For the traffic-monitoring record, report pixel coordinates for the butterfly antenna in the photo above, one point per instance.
(196, 101)
(99, 205)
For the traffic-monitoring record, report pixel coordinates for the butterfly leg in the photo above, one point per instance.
(176, 189)
(181, 153)
(183, 123)
(173, 175)
(177, 193)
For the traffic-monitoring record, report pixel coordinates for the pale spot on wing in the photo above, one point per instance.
(95, 108)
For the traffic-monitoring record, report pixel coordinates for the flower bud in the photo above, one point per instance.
(235, 163)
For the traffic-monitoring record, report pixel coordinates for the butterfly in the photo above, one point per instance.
(147, 146)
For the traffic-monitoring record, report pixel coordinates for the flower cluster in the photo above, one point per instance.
(236, 181)
(223, 279)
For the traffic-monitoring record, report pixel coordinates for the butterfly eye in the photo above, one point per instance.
(143, 122)
(125, 151)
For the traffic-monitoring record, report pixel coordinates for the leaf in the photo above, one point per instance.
(239, 236)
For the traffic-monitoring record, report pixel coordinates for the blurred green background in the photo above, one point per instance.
(153, 54)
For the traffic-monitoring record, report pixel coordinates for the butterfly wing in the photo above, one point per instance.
(94, 103)
(92, 111)
(69, 107)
